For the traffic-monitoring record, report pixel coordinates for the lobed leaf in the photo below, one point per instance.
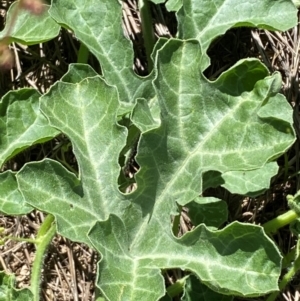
(189, 127)
(206, 20)
(21, 123)
(102, 32)
(235, 260)
(29, 29)
(86, 112)
(203, 126)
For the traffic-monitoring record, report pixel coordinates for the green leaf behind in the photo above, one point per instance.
(11, 199)
(207, 210)
(21, 123)
(8, 291)
(195, 290)
(30, 29)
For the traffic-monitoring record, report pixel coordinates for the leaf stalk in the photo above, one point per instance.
(147, 30)
(288, 276)
(280, 221)
(44, 238)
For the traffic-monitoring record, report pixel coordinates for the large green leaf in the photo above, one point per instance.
(98, 24)
(206, 20)
(21, 123)
(223, 260)
(190, 127)
(203, 126)
(218, 127)
(86, 112)
(28, 28)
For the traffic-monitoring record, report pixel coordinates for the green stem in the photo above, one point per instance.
(280, 221)
(83, 54)
(29, 240)
(147, 30)
(286, 279)
(44, 238)
(288, 259)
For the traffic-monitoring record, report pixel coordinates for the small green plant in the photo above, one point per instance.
(192, 134)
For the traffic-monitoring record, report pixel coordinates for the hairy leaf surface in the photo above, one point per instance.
(29, 29)
(102, 32)
(189, 128)
(11, 200)
(21, 123)
(86, 113)
(206, 20)
(203, 126)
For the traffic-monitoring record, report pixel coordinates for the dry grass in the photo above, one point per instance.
(69, 270)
